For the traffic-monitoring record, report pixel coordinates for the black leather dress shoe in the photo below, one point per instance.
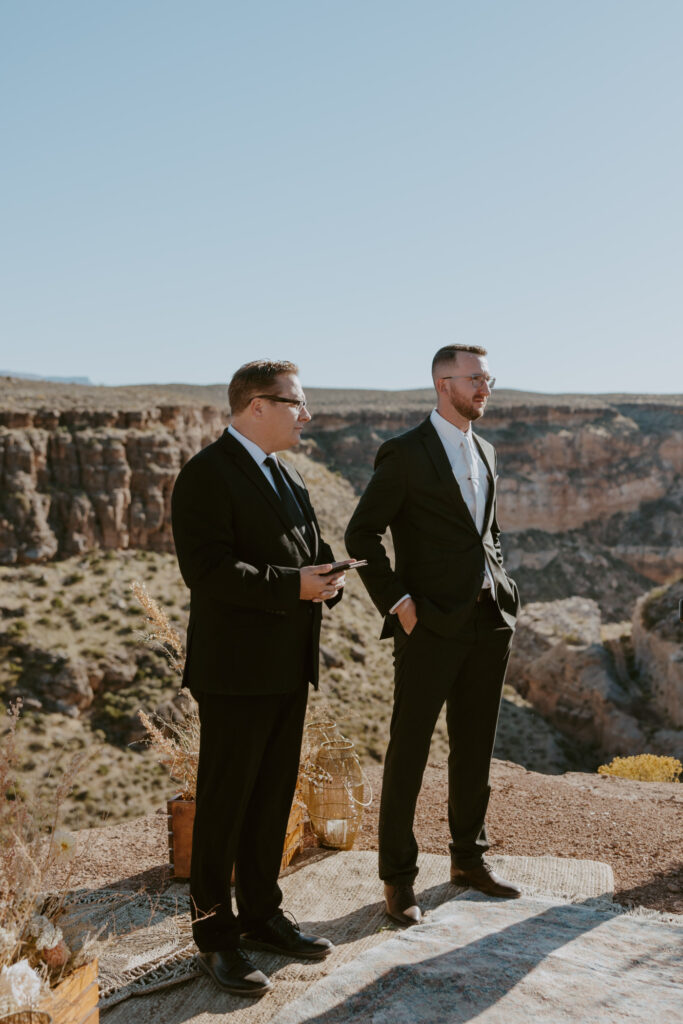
(401, 904)
(485, 880)
(233, 971)
(279, 935)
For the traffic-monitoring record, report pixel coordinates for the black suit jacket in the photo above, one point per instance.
(249, 632)
(440, 555)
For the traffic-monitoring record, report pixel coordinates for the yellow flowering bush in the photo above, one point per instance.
(644, 768)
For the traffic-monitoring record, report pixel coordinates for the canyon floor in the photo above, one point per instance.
(70, 646)
(635, 827)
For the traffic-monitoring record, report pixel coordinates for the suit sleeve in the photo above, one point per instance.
(201, 511)
(380, 504)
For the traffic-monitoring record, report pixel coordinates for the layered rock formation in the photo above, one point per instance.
(76, 478)
(658, 647)
(596, 685)
(74, 481)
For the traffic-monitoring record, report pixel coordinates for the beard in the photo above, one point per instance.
(467, 408)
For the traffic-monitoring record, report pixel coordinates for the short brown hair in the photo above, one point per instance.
(256, 378)
(449, 353)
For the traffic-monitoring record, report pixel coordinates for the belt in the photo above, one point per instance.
(485, 594)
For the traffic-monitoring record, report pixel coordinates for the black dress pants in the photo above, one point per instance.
(467, 673)
(248, 764)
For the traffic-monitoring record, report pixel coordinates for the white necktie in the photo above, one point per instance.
(472, 477)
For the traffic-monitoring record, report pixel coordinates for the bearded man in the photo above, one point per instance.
(451, 609)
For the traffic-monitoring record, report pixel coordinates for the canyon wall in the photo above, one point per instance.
(607, 472)
(73, 481)
(590, 501)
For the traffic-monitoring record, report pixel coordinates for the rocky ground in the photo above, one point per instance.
(636, 827)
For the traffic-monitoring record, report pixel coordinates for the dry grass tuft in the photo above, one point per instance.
(175, 745)
(163, 637)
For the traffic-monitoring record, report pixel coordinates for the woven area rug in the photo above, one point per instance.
(509, 962)
(337, 895)
(142, 942)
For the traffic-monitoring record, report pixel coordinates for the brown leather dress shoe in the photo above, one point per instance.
(401, 904)
(485, 880)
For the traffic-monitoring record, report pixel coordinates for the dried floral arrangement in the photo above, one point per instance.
(176, 747)
(162, 636)
(644, 768)
(34, 951)
(176, 744)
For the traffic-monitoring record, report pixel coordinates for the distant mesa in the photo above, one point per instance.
(38, 376)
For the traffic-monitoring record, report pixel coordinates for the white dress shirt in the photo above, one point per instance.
(471, 473)
(257, 454)
(259, 457)
(469, 469)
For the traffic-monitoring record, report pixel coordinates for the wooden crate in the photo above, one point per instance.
(181, 822)
(74, 1000)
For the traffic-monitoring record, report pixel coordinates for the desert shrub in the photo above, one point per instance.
(74, 577)
(659, 610)
(644, 768)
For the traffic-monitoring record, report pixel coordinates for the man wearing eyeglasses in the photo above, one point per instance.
(250, 550)
(451, 610)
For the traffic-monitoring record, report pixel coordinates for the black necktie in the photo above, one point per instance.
(290, 503)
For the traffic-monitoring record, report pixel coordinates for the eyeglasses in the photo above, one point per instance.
(297, 404)
(476, 379)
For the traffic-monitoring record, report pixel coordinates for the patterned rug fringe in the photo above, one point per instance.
(150, 949)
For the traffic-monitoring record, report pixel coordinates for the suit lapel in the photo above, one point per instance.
(239, 453)
(437, 453)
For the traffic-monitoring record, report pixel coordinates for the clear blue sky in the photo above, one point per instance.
(188, 185)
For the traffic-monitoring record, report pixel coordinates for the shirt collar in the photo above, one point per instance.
(448, 431)
(257, 453)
